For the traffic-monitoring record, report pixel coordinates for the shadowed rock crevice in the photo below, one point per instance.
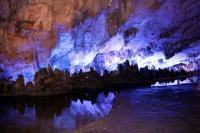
(170, 49)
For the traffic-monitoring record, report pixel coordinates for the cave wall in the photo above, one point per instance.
(29, 29)
(78, 34)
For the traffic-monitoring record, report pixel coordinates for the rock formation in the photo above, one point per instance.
(79, 34)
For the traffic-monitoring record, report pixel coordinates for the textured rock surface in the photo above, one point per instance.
(74, 34)
(28, 29)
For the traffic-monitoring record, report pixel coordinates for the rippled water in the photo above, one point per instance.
(172, 109)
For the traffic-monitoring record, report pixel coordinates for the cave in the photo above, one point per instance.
(67, 65)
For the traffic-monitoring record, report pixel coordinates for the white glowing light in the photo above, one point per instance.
(176, 82)
(114, 44)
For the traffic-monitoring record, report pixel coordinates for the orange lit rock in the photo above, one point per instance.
(28, 27)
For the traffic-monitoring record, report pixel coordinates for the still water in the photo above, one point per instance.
(171, 109)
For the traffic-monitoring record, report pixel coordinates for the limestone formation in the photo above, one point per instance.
(19, 85)
(69, 34)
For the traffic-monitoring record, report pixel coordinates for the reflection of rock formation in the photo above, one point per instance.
(47, 114)
(87, 109)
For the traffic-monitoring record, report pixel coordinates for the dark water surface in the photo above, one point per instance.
(171, 109)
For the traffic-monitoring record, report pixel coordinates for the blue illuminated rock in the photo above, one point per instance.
(73, 35)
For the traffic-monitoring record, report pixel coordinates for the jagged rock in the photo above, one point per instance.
(99, 62)
(170, 49)
(40, 75)
(19, 85)
(5, 86)
(31, 32)
(30, 87)
(29, 27)
(49, 70)
(67, 77)
(89, 81)
(59, 74)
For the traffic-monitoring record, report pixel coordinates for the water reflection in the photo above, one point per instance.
(52, 114)
(86, 108)
(82, 113)
(168, 109)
